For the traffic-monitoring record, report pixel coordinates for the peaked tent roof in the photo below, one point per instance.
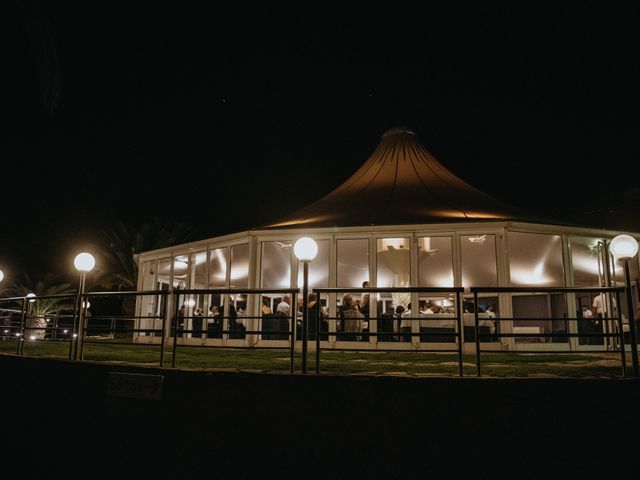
(402, 183)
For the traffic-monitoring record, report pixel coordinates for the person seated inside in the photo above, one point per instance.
(236, 328)
(283, 311)
(385, 324)
(364, 310)
(313, 313)
(350, 318)
(268, 321)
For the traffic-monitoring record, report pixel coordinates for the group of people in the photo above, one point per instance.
(214, 322)
(275, 325)
(352, 322)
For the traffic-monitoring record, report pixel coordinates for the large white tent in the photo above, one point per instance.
(402, 219)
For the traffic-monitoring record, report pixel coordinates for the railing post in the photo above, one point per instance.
(477, 330)
(175, 331)
(632, 324)
(23, 320)
(293, 312)
(459, 321)
(623, 358)
(164, 324)
(318, 320)
(83, 325)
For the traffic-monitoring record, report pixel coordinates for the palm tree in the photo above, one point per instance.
(118, 267)
(39, 308)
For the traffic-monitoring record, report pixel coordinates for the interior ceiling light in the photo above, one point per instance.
(480, 239)
(430, 251)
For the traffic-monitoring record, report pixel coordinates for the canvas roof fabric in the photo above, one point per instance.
(402, 183)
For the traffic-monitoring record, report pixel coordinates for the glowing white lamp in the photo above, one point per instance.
(31, 297)
(1, 275)
(624, 247)
(84, 262)
(305, 249)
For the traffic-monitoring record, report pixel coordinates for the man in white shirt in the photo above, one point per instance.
(599, 311)
(283, 306)
(600, 305)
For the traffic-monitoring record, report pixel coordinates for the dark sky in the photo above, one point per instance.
(226, 117)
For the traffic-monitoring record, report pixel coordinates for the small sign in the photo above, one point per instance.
(135, 385)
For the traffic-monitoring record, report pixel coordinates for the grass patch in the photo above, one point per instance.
(592, 364)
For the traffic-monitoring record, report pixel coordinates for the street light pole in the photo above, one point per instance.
(305, 314)
(305, 250)
(624, 248)
(632, 323)
(84, 262)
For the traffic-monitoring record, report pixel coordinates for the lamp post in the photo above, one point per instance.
(84, 262)
(29, 321)
(305, 250)
(624, 248)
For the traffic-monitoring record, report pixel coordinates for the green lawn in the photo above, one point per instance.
(373, 363)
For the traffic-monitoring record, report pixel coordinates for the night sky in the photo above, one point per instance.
(227, 117)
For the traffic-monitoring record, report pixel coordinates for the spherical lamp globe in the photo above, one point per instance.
(623, 247)
(84, 262)
(305, 249)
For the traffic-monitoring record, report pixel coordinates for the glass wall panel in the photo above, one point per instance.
(393, 262)
(198, 262)
(164, 274)
(393, 270)
(181, 281)
(353, 263)
(435, 262)
(239, 276)
(535, 260)
(540, 313)
(318, 268)
(587, 261)
(276, 265)
(275, 272)
(198, 280)
(163, 280)
(587, 269)
(218, 261)
(181, 272)
(479, 266)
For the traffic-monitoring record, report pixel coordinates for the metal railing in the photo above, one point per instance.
(226, 333)
(456, 318)
(119, 326)
(72, 323)
(617, 333)
(39, 318)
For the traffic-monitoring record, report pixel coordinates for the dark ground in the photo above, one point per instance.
(60, 420)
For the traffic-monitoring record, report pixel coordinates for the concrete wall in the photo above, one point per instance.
(58, 418)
